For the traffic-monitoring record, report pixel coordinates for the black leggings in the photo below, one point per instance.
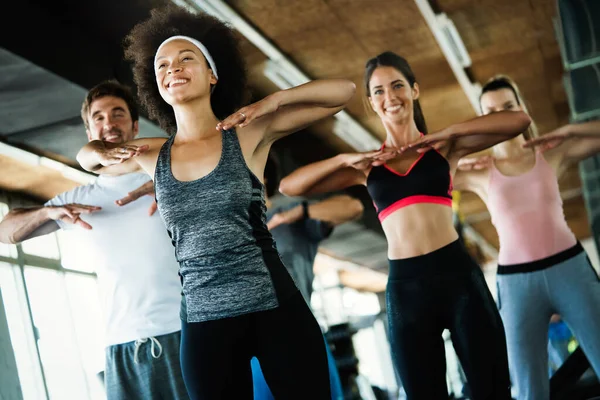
(215, 355)
(445, 289)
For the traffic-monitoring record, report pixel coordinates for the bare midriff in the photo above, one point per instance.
(418, 229)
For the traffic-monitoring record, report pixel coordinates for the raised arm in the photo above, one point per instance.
(332, 211)
(572, 143)
(117, 159)
(472, 174)
(476, 134)
(333, 174)
(291, 110)
(110, 158)
(26, 223)
(336, 210)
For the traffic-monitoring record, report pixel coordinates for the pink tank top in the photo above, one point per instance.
(528, 214)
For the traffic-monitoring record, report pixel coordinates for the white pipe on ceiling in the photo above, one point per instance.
(454, 50)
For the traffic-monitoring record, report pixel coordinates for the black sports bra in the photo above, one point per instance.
(428, 180)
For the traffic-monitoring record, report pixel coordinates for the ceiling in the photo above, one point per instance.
(41, 110)
(78, 44)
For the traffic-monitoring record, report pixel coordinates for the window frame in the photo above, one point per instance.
(18, 263)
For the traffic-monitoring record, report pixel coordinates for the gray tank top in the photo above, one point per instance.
(218, 226)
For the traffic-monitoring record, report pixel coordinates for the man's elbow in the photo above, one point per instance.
(12, 239)
(4, 238)
(7, 237)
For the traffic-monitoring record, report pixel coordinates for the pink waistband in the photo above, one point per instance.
(383, 214)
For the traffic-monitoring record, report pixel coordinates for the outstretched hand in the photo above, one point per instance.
(428, 142)
(246, 115)
(365, 160)
(71, 213)
(475, 164)
(548, 141)
(120, 154)
(286, 217)
(147, 189)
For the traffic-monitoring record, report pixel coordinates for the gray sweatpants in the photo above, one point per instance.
(528, 300)
(153, 372)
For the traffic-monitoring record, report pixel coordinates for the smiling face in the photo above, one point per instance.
(110, 120)
(182, 73)
(391, 95)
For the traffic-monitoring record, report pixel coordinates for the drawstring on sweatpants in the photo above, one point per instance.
(139, 342)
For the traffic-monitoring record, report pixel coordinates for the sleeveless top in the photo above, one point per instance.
(528, 214)
(428, 180)
(217, 224)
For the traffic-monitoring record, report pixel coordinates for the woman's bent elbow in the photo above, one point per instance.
(524, 120)
(287, 189)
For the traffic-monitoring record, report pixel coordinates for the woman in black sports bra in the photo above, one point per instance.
(433, 283)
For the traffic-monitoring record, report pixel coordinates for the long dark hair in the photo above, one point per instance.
(390, 59)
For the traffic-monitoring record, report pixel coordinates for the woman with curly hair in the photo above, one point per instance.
(238, 299)
(542, 268)
(433, 283)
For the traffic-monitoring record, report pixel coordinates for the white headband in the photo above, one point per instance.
(196, 43)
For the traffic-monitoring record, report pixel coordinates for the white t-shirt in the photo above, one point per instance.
(132, 255)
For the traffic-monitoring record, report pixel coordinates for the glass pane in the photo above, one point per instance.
(6, 250)
(73, 254)
(578, 31)
(85, 309)
(57, 341)
(21, 335)
(583, 85)
(42, 246)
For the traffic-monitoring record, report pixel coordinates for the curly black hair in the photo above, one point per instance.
(229, 94)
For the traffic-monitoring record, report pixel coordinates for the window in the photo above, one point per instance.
(42, 246)
(59, 353)
(21, 332)
(83, 298)
(54, 320)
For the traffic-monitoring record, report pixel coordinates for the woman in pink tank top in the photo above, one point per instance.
(542, 268)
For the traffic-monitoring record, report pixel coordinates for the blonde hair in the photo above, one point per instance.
(498, 82)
